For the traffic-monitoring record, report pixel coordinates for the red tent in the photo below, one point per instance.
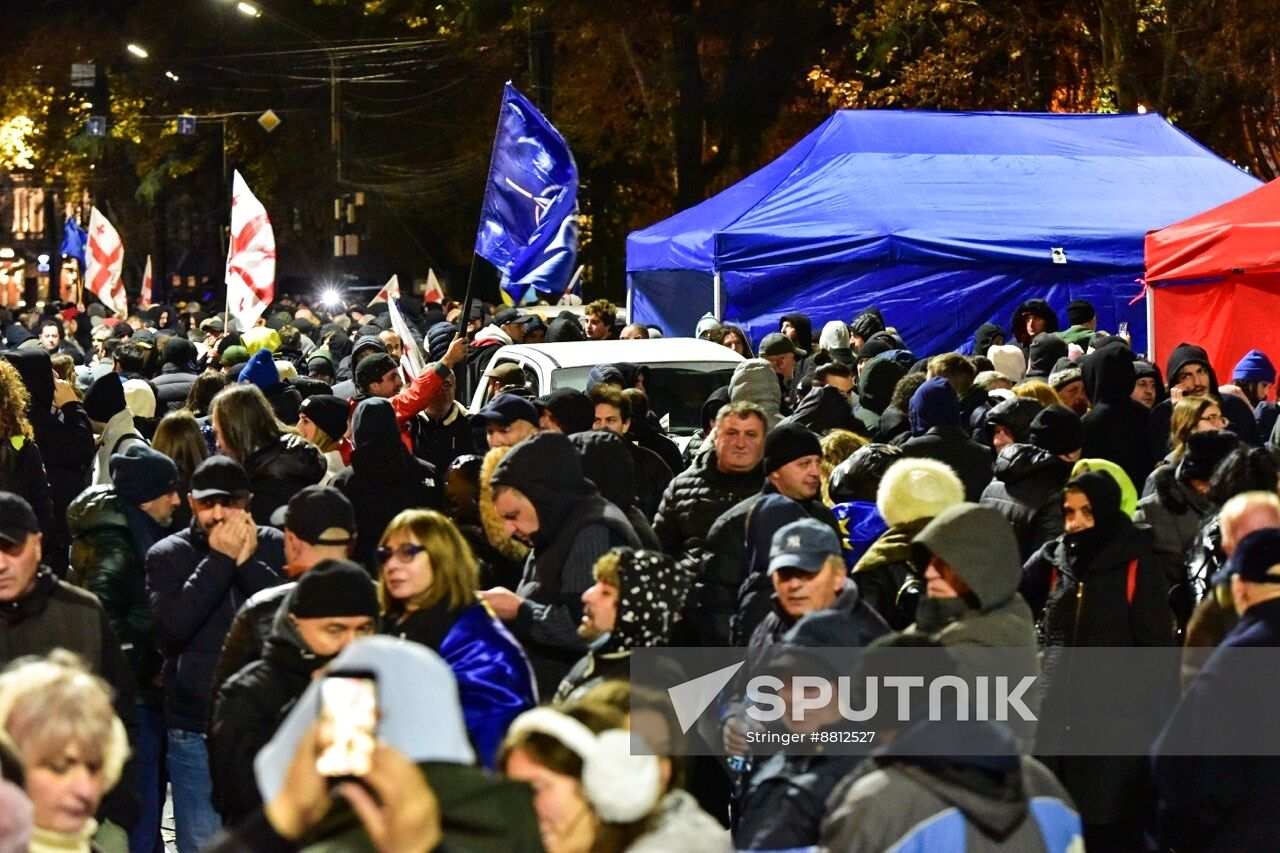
(1215, 281)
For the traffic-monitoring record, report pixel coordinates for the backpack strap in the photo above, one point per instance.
(1131, 581)
(136, 435)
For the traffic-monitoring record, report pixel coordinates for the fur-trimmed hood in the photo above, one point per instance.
(504, 544)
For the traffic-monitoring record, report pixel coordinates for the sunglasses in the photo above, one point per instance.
(405, 552)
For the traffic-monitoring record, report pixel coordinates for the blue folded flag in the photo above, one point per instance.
(74, 239)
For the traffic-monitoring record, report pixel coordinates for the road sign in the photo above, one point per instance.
(186, 125)
(97, 126)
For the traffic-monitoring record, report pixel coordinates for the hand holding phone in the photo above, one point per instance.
(348, 718)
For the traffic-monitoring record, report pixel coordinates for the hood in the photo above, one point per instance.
(754, 381)
(564, 329)
(823, 408)
(491, 335)
(834, 335)
(858, 477)
(1017, 462)
(36, 370)
(978, 543)
(632, 372)
(180, 353)
(547, 470)
(804, 329)
(494, 533)
(876, 383)
(1109, 374)
(1046, 348)
(651, 591)
(986, 337)
(715, 401)
(1184, 354)
(1038, 308)
(95, 508)
(934, 404)
(414, 683)
(363, 344)
(374, 421)
(1128, 494)
(1108, 520)
(605, 374)
(439, 336)
(1014, 415)
(607, 462)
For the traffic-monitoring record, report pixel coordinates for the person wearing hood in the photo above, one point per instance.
(876, 381)
(988, 335)
(1043, 353)
(716, 400)
(284, 399)
(936, 434)
(1008, 359)
(177, 374)
(1031, 318)
(646, 430)
(1008, 422)
(852, 488)
(755, 381)
(864, 325)
(826, 408)
(1108, 591)
(1191, 375)
(506, 328)
(64, 436)
(1178, 506)
(384, 478)
(1115, 427)
(912, 793)
(895, 424)
(566, 410)
(792, 466)
(634, 603)
(1028, 479)
(427, 585)
(330, 606)
(833, 344)
(706, 323)
(607, 462)
(652, 475)
(565, 328)
(545, 502)
(799, 328)
(104, 403)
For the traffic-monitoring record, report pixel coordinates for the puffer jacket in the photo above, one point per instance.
(107, 560)
(1175, 513)
(692, 503)
(279, 471)
(1027, 491)
(172, 384)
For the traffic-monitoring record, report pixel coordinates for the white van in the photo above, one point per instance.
(682, 372)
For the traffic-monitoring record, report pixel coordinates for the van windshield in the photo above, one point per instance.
(676, 390)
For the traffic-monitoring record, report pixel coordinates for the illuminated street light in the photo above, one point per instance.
(248, 10)
(171, 76)
(137, 51)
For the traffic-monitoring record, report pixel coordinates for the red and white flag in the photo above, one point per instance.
(390, 290)
(104, 258)
(144, 295)
(434, 292)
(251, 259)
(412, 362)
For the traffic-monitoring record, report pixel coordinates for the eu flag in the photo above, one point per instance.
(74, 239)
(528, 224)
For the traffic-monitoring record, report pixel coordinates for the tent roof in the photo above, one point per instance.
(1241, 236)
(930, 187)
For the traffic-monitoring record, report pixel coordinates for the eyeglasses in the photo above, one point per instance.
(1215, 419)
(405, 552)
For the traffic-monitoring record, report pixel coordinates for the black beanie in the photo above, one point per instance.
(335, 588)
(372, 368)
(1079, 312)
(105, 398)
(327, 412)
(788, 442)
(141, 474)
(1058, 430)
(1205, 452)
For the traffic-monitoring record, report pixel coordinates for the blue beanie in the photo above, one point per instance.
(934, 404)
(1254, 367)
(261, 370)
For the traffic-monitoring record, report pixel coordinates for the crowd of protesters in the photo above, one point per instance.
(196, 522)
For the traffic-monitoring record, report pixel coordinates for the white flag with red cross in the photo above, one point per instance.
(434, 292)
(104, 258)
(144, 295)
(390, 290)
(251, 259)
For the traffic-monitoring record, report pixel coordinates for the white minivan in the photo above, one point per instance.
(682, 372)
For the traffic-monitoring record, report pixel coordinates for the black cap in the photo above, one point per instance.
(1254, 557)
(372, 368)
(320, 515)
(572, 409)
(506, 409)
(507, 315)
(327, 412)
(334, 588)
(1079, 312)
(1058, 430)
(219, 476)
(17, 519)
(787, 442)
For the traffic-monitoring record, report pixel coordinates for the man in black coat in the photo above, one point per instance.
(177, 375)
(937, 434)
(1116, 427)
(196, 580)
(1190, 374)
(613, 412)
(330, 606)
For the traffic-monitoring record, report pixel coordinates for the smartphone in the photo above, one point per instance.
(348, 718)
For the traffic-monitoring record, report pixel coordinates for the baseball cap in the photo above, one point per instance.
(1254, 557)
(320, 515)
(19, 519)
(213, 324)
(507, 315)
(508, 373)
(506, 409)
(219, 476)
(806, 544)
(776, 343)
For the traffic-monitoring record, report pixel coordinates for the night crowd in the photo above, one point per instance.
(196, 524)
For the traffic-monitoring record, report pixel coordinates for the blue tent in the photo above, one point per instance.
(944, 221)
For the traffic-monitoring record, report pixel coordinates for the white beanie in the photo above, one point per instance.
(1009, 360)
(916, 488)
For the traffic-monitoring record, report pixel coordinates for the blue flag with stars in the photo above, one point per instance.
(74, 239)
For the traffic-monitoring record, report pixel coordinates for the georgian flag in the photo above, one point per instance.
(434, 292)
(144, 295)
(251, 258)
(412, 362)
(104, 259)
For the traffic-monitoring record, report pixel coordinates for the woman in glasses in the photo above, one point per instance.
(427, 588)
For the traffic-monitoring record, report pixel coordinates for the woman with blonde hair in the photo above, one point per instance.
(1192, 415)
(1039, 390)
(59, 723)
(22, 468)
(280, 463)
(428, 587)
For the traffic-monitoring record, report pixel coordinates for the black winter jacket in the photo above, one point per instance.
(172, 385)
(194, 593)
(279, 471)
(1027, 491)
(1116, 427)
(384, 480)
(692, 503)
(250, 630)
(952, 445)
(442, 441)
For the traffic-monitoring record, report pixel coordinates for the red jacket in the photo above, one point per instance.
(411, 400)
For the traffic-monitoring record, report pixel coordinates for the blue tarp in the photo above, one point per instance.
(944, 221)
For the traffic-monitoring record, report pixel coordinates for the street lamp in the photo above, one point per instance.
(248, 10)
(137, 50)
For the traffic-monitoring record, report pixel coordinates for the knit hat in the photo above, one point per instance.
(141, 474)
(261, 370)
(1045, 350)
(1254, 367)
(788, 442)
(1058, 430)
(1079, 312)
(1061, 378)
(105, 398)
(572, 409)
(867, 324)
(916, 488)
(373, 368)
(327, 412)
(877, 344)
(1204, 453)
(179, 352)
(334, 588)
(1009, 360)
(776, 343)
(233, 355)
